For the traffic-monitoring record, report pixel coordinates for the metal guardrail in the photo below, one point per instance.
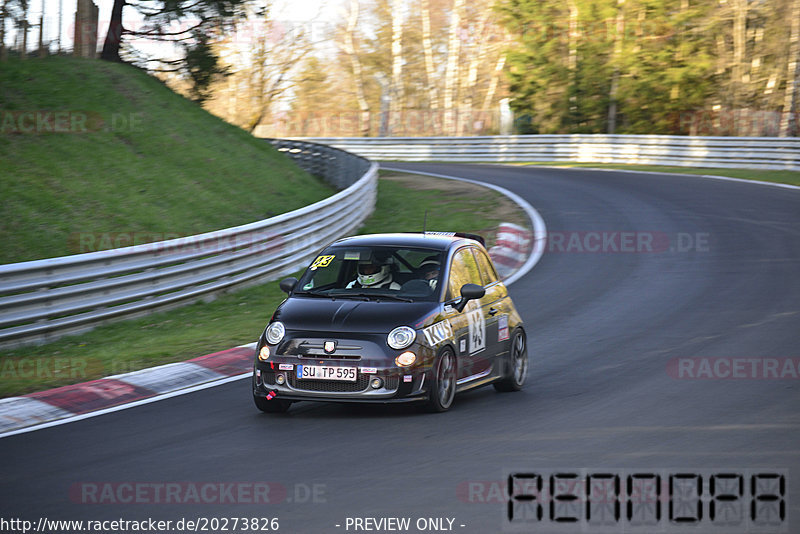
(720, 152)
(43, 300)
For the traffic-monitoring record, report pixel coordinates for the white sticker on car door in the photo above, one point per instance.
(477, 330)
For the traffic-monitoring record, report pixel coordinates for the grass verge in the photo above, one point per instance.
(239, 317)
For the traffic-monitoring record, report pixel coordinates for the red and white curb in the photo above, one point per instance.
(511, 250)
(79, 401)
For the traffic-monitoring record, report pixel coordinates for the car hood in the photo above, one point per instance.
(349, 315)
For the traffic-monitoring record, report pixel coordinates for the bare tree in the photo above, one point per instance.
(427, 47)
(497, 72)
(573, 39)
(262, 72)
(23, 25)
(616, 57)
(790, 108)
(452, 71)
(476, 55)
(348, 45)
(396, 104)
(3, 16)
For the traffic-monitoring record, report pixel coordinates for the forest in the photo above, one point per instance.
(478, 67)
(452, 67)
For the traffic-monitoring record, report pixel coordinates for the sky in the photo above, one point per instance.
(314, 12)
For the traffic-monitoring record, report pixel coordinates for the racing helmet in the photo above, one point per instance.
(372, 273)
(430, 271)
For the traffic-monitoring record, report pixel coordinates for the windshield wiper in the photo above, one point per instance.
(378, 297)
(349, 295)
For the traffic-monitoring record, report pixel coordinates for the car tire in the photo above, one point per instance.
(518, 365)
(271, 405)
(443, 382)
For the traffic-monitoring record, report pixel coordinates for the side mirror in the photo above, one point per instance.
(287, 284)
(469, 292)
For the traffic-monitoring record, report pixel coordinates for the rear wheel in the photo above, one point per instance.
(518, 359)
(271, 405)
(443, 384)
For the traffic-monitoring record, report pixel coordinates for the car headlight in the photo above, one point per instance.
(406, 359)
(401, 337)
(275, 333)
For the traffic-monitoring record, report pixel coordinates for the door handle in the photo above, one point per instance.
(493, 311)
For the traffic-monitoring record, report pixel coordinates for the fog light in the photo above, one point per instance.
(263, 354)
(280, 379)
(376, 383)
(406, 359)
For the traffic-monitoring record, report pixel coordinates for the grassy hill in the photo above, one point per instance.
(89, 147)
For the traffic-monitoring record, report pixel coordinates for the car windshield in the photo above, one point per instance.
(396, 273)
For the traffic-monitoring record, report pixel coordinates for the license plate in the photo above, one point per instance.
(326, 372)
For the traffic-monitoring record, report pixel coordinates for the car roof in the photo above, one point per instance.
(430, 240)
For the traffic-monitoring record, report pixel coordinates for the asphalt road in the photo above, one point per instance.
(654, 315)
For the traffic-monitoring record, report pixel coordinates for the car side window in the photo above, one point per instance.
(488, 273)
(463, 270)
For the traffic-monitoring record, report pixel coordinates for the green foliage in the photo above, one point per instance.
(202, 65)
(669, 58)
(201, 21)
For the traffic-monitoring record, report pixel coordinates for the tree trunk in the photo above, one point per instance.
(427, 48)
(452, 72)
(572, 55)
(396, 90)
(41, 34)
(790, 111)
(470, 81)
(739, 54)
(114, 36)
(3, 49)
(349, 47)
(615, 61)
(24, 52)
(498, 71)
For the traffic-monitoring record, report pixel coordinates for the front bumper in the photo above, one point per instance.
(397, 385)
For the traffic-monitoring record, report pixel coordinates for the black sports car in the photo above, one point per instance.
(391, 318)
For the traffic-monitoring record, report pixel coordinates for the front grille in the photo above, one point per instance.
(334, 386)
(338, 386)
(391, 382)
(316, 350)
(267, 378)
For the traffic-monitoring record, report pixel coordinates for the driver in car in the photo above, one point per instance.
(374, 275)
(429, 270)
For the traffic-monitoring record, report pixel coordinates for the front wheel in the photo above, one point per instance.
(271, 405)
(443, 384)
(518, 359)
